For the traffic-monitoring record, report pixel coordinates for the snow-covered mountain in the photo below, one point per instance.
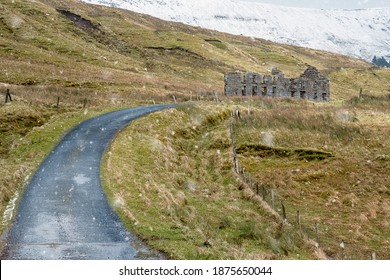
(358, 33)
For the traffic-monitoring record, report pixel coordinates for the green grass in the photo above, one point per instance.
(137, 59)
(340, 192)
(28, 134)
(191, 206)
(265, 151)
(121, 56)
(333, 169)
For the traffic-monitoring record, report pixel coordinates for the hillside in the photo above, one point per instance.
(90, 59)
(326, 167)
(121, 52)
(361, 33)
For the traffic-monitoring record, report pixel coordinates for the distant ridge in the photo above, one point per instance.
(362, 33)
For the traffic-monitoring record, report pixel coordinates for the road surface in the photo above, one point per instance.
(64, 213)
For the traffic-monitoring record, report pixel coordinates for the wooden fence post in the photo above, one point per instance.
(273, 199)
(8, 97)
(237, 114)
(235, 162)
(373, 256)
(264, 192)
(250, 182)
(58, 102)
(174, 99)
(299, 220)
(284, 214)
(317, 236)
(342, 248)
(85, 102)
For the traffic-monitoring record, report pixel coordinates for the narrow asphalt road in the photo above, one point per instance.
(64, 213)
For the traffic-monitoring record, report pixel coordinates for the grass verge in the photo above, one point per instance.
(169, 177)
(28, 134)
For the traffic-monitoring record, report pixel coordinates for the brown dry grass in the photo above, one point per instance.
(45, 56)
(190, 155)
(346, 194)
(181, 196)
(29, 129)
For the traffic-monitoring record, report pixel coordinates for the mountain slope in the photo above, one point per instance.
(112, 57)
(119, 53)
(358, 33)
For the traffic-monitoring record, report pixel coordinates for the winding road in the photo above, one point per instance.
(64, 213)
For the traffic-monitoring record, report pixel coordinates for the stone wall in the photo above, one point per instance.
(311, 85)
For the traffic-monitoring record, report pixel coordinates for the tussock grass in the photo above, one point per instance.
(364, 100)
(28, 132)
(173, 172)
(136, 59)
(266, 151)
(337, 192)
(117, 52)
(191, 195)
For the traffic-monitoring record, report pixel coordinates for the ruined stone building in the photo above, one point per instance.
(311, 85)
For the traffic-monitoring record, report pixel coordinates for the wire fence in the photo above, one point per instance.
(321, 236)
(56, 96)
